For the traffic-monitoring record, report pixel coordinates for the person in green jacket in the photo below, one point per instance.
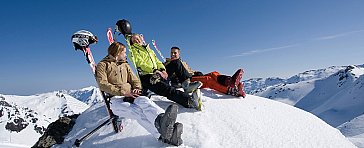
(154, 75)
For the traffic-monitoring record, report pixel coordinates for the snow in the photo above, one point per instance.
(48, 100)
(38, 111)
(225, 121)
(288, 93)
(290, 90)
(354, 130)
(334, 94)
(9, 145)
(89, 95)
(357, 70)
(338, 98)
(314, 74)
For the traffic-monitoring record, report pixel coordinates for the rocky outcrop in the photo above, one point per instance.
(56, 131)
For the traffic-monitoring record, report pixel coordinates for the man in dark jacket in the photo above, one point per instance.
(230, 85)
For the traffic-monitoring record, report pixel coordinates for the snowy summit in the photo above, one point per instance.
(224, 122)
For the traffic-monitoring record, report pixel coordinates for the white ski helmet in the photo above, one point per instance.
(83, 38)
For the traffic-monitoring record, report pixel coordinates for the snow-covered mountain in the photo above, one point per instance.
(289, 90)
(255, 85)
(23, 119)
(337, 98)
(225, 122)
(354, 130)
(334, 94)
(89, 95)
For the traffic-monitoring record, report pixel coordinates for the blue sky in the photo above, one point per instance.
(266, 38)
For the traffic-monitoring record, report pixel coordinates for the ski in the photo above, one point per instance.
(110, 36)
(91, 59)
(155, 47)
(159, 52)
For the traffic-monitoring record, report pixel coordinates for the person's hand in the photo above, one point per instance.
(163, 74)
(133, 93)
(129, 95)
(137, 91)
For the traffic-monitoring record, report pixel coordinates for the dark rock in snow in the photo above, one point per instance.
(56, 131)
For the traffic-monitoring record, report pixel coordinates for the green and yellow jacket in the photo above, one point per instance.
(145, 59)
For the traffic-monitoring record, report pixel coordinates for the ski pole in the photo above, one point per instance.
(79, 141)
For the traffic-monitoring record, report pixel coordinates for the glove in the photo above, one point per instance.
(155, 78)
(197, 73)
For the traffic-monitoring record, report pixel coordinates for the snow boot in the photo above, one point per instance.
(235, 79)
(177, 133)
(195, 100)
(176, 138)
(241, 92)
(165, 121)
(237, 91)
(189, 86)
(232, 91)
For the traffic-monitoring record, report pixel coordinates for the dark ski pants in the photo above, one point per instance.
(164, 89)
(176, 67)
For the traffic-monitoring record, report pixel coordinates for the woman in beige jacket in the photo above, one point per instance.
(114, 76)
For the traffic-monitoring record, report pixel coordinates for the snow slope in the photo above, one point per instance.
(354, 130)
(225, 122)
(23, 119)
(287, 93)
(338, 98)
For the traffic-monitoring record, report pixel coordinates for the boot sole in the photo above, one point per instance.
(199, 101)
(193, 89)
(198, 93)
(239, 77)
(171, 116)
(241, 91)
(177, 134)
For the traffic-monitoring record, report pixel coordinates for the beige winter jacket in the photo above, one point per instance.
(116, 78)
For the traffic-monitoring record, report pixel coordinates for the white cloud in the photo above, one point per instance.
(338, 35)
(294, 45)
(262, 50)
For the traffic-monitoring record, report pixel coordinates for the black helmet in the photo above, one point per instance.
(123, 26)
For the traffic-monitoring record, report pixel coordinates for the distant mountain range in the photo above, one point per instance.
(289, 90)
(335, 94)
